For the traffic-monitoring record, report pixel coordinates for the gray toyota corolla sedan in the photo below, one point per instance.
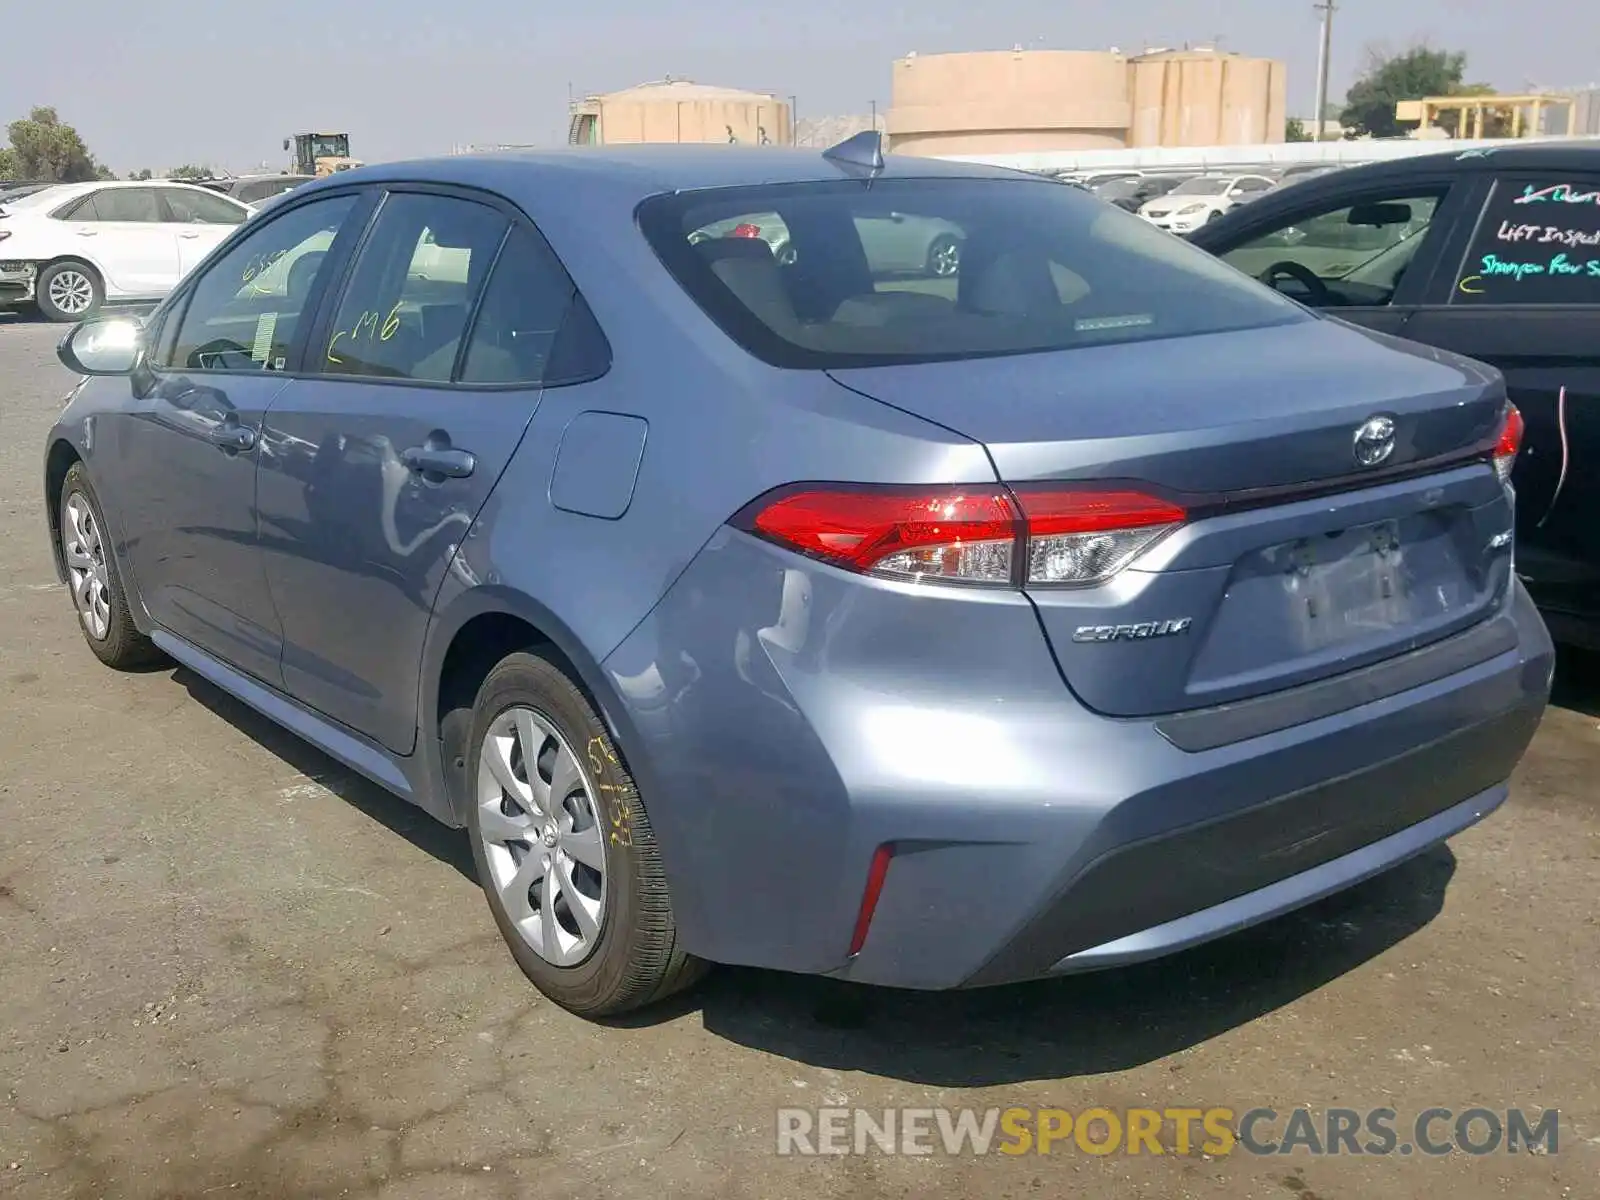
(920, 628)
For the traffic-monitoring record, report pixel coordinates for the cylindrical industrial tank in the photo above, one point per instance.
(1008, 101)
(681, 111)
(1205, 98)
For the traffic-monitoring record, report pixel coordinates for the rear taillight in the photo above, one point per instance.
(1509, 443)
(1034, 536)
(746, 231)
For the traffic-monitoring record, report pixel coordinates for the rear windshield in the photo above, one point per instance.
(841, 274)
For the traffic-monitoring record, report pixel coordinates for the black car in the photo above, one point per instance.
(1494, 254)
(1131, 192)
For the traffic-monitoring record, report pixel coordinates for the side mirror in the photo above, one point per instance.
(286, 143)
(103, 346)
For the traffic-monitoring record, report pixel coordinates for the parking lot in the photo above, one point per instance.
(232, 968)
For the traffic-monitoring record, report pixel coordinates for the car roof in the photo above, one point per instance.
(1576, 154)
(648, 170)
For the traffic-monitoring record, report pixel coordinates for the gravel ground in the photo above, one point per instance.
(230, 967)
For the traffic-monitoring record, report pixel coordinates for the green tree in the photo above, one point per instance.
(42, 147)
(142, 173)
(1413, 75)
(189, 171)
(8, 163)
(1295, 131)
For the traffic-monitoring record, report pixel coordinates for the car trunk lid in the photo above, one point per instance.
(1307, 548)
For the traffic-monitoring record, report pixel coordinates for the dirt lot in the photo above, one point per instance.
(230, 968)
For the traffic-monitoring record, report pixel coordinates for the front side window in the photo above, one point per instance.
(409, 298)
(199, 207)
(1537, 242)
(244, 311)
(1352, 255)
(136, 205)
(912, 270)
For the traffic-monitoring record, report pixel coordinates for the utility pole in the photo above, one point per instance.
(1326, 8)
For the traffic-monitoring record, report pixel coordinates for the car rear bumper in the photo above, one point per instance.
(785, 720)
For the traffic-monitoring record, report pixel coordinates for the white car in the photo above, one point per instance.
(72, 247)
(1204, 198)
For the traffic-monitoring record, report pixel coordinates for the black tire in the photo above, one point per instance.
(69, 270)
(636, 959)
(123, 647)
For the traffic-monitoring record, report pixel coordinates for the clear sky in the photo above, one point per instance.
(159, 83)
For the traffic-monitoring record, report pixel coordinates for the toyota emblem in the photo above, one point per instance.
(1374, 441)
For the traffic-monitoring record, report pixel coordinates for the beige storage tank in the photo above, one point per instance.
(1008, 101)
(678, 110)
(1206, 98)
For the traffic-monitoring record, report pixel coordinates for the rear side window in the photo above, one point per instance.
(118, 204)
(839, 274)
(405, 310)
(1537, 242)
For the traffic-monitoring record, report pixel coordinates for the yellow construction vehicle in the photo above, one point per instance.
(320, 154)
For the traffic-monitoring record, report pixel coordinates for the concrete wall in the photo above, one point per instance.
(1028, 101)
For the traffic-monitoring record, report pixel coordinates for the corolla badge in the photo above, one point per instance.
(1374, 441)
(1132, 633)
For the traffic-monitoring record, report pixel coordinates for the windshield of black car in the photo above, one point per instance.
(918, 270)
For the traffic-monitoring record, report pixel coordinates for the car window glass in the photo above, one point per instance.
(199, 207)
(1538, 242)
(244, 311)
(521, 314)
(916, 270)
(121, 204)
(1354, 254)
(411, 293)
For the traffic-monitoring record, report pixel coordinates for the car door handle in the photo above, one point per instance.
(188, 234)
(87, 232)
(233, 437)
(429, 460)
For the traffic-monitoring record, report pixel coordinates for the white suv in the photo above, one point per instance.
(73, 246)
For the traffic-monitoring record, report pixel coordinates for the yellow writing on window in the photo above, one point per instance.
(370, 325)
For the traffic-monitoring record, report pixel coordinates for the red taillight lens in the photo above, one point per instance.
(746, 231)
(1510, 442)
(962, 535)
(978, 535)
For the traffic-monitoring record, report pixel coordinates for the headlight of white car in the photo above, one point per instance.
(1189, 210)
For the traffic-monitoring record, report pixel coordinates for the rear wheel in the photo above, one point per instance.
(69, 291)
(563, 847)
(96, 587)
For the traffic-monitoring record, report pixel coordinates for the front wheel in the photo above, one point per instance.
(69, 291)
(563, 847)
(96, 587)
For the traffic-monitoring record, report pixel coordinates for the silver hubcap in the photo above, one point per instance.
(71, 292)
(539, 821)
(86, 566)
(946, 258)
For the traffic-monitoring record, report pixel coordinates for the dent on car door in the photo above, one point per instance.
(1524, 296)
(1362, 255)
